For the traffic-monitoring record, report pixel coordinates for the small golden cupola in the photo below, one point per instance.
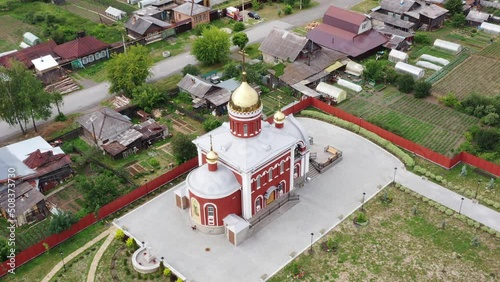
(212, 157)
(279, 119)
(245, 99)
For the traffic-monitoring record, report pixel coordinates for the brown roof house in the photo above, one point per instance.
(116, 135)
(409, 15)
(205, 94)
(36, 161)
(26, 56)
(150, 28)
(82, 51)
(282, 46)
(347, 32)
(30, 204)
(195, 12)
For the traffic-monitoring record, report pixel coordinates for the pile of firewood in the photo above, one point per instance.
(64, 86)
(311, 25)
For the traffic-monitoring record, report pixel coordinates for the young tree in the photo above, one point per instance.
(147, 96)
(405, 83)
(238, 26)
(287, 10)
(183, 148)
(211, 124)
(58, 100)
(191, 69)
(458, 20)
(454, 6)
(422, 89)
(240, 39)
(374, 70)
(41, 102)
(231, 70)
(213, 47)
(99, 190)
(61, 222)
(306, 3)
(128, 70)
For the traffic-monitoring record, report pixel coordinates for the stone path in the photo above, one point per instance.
(100, 252)
(448, 198)
(74, 254)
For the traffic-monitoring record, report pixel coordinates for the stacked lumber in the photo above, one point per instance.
(310, 26)
(64, 86)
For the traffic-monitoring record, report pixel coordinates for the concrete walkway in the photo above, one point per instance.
(448, 198)
(100, 252)
(74, 254)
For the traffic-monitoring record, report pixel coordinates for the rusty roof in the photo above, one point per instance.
(343, 19)
(79, 47)
(27, 55)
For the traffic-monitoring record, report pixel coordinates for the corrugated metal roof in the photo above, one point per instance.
(107, 123)
(115, 12)
(283, 44)
(186, 9)
(397, 6)
(343, 19)
(194, 85)
(432, 11)
(27, 55)
(80, 47)
(141, 24)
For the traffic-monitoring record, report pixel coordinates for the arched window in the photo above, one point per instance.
(281, 188)
(245, 129)
(210, 215)
(258, 181)
(258, 204)
(282, 167)
(270, 173)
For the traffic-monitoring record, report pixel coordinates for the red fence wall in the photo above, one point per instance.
(154, 184)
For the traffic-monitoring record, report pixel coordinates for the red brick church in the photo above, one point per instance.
(245, 166)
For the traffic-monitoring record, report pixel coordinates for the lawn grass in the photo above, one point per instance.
(400, 245)
(40, 266)
(11, 33)
(96, 72)
(275, 99)
(365, 6)
(168, 84)
(77, 269)
(431, 125)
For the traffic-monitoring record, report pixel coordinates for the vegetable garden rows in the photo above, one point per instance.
(438, 128)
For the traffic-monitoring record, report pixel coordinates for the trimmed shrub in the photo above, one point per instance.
(131, 244)
(167, 272)
(496, 205)
(432, 203)
(287, 10)
(470, 222)
(239, 26)
(425, 199)
(439, 178)
(477, 225)
(442, 209)
(449, 212)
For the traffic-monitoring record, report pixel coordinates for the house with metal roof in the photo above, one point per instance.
(26, 56)
(30, 204)
(476, 18)
(86, 50)
(190, 11)
(282, 45)
(150, 28)
(347, 32)
(205, 94)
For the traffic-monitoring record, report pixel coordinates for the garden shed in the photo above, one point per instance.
(414, 71)
(349, 85)
(31, 39)
(448, 46)
(428, 65)
(398, 56)
(433, 59)
(114, 13)
(354, 68)
(145, 3)
(336, 94)
(490, 28)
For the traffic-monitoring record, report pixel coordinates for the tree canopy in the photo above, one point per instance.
(212, 47)
(454, 6)
(147, 97)
(190, 69)
(183, 148)
(405, 83)
(98, 190)
(22, 97)
(374, 70)
(61, 222)
(129, 70)
(240, 39)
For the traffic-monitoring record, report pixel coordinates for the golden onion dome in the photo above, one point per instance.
(245, 99)
(212, 157)
(279, 117)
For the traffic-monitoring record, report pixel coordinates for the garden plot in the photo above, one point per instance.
(136, 169)
(182, 126)
(274, 100)
(93, 12)
(433, 126)
(68, 199)
(477, 74)
(11, 33)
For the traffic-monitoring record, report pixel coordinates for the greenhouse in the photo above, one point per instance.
(31, 39)
(490, 28)
(448, 46)
(428, 65)
(354, 68)
(414, 71)
(338, 95)
(349, 85)
(398, 56)
(433, 59)
(145, 3)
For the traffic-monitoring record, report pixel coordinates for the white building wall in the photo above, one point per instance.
(246, 195)
(365, 26)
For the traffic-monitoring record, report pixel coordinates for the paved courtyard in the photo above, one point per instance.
(323, 203)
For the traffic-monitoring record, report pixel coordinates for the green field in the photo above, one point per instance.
(433, 126)
(11, 33)
(404, 241)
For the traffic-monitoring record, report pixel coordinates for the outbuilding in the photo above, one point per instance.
(398, 56)
(349, 85)
(490, 28)
(448, 46)
(354, 68)
(114, 13)
(336, 94)
(31, 39)
(428, 65)
(433, 59)
(414, 71)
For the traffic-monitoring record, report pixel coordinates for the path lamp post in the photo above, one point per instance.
(363, 201)
(311, 249)
(62, 258)
(477, 189)
(460, 209)
(394, 179)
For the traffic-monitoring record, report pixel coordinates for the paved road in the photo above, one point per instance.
(91, 97)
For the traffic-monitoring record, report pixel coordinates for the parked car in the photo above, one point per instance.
(254, 15)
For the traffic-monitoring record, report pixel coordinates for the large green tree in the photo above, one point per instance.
(22, 97)
(183, 148)
(61, 222)
(147, 97)
(212, 47)
(374, 70)
(98, 190)
(240, 39)
(454, 6)
(129, 70)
